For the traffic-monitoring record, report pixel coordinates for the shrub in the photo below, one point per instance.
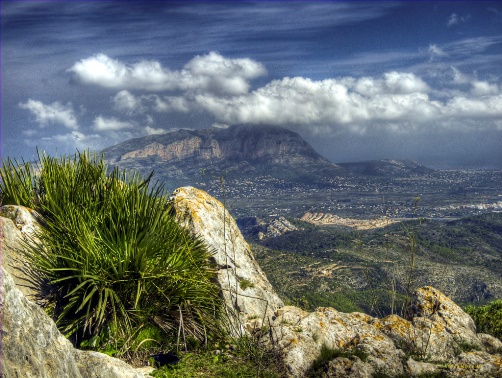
(17, 186)
(488, 318)
(111, 258)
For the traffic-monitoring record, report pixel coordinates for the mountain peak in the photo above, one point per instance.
(240, 150)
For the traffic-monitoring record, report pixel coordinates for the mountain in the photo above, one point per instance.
(395, 168)
(241, 151)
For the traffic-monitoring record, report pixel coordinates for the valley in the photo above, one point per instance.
(436, 195)
(356, 236)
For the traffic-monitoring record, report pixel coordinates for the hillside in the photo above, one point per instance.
(396, 168)
(240, 151)
(356, 271)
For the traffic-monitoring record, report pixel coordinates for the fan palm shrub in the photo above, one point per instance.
(110, 258)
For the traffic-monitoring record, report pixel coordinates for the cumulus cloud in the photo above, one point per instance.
(396, 101)
(214, 73)
(55, 113)
(110, 124)
(126, 102)
(483, 88)
(106, 72)
(169, 104)
(211, 73)
(345, 101)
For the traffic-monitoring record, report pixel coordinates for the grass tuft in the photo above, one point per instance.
(111, 262)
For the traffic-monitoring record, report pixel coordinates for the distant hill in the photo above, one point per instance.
(241, 151)
(395, 168)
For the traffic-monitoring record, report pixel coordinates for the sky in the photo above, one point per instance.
(359, 81)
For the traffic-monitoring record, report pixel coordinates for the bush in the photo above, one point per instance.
(110, 258)
(488, 318)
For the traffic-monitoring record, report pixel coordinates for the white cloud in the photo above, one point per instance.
(126, 102)
(396, 101)
(110, 124)
(483, 88)
(111, 73)
(209, 73)
(169, 104)
(459, 77)
(453, 19)
(55, 113)
(436, 52)
(485, 107)
(214, 73)
(152, 131)
(344, 101)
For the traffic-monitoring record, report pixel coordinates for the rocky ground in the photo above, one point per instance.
(435, 336)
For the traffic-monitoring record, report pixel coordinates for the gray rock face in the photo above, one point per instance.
(24, 218)
(438, 332)
(18, 225)
(32, 346)
(245, 287)
(242, 151)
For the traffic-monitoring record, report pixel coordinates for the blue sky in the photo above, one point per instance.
(359, 80)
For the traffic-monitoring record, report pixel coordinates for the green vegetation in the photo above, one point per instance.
(372, 267)
(320, 365)
(488, 318)
(245, 284)
(111, 264)
(242, 358)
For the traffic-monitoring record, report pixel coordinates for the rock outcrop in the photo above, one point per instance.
(438, 338)
(18, 224)
(245, 287)
(257, 227)
(32, 346)
(357, 224)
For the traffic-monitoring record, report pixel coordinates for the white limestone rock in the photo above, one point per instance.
(24, 218)
(239, 275)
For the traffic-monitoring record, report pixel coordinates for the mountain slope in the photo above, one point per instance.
(238, 151)
(396, 168)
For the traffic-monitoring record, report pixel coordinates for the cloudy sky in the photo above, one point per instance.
(359, 81)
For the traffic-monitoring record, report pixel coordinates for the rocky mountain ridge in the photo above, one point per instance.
(386, 167)
(237, 151)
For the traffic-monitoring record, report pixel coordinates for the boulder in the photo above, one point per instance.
(32, 346)
(24, 218)
(418, 368)
(18, 225)
(301, 336)
(475, 364)
(439, 333)
(491, 344)
(443, 316)
(245, 287)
